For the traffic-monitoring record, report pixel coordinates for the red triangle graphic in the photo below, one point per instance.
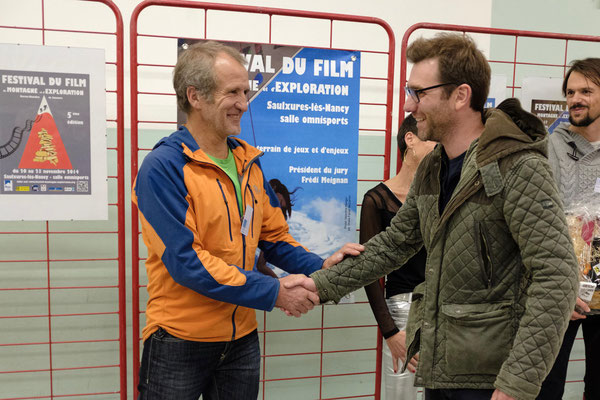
(45, 148)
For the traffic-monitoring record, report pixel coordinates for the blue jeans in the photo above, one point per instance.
(458, 394)
(177, 369)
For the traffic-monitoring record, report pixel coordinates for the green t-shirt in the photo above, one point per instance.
(228, 165)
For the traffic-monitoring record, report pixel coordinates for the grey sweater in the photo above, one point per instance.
(575, 178)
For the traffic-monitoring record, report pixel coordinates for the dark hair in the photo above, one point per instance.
(459, 62)
(408, 125)
(195, 67)
(590, 68)
(280, 188)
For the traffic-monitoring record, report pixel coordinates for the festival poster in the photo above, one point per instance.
(52, 133)
(543, 98)
(303, 114)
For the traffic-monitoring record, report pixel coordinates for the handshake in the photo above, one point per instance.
(298, 293)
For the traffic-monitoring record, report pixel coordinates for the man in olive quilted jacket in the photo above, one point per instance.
(501, 274)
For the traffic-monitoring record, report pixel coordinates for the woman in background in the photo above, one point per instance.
(379, 206)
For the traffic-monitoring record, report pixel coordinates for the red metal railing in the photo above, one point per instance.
(515, 62)
(47, 233)
(135, 35)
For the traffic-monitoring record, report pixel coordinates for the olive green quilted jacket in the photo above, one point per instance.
(501, 274)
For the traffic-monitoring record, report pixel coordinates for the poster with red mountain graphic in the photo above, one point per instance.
(52, 114)
(45, 148)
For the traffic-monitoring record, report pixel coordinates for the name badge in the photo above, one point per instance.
(246, 220)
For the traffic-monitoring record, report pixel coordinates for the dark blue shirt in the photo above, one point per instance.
(449, 177)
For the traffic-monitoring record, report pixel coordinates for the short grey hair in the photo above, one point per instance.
(195, 67)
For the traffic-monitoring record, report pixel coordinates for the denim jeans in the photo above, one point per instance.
(177, 369)
(458, 394)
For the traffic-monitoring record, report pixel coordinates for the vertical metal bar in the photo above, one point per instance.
(379, 356)
(135, 232)
(43, 25)
(389, 108)
(402, 97)
(270, 27)
(565, 61)
(121, 202)
(331, 33)
(321, 352)
(264, 353)
(514, 80)
(121, 237)
(50, 367)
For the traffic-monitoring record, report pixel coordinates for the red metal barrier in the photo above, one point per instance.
(43, 235)
(208, 8)
(514, 61)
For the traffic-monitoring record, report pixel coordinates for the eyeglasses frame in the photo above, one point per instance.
(414, 93)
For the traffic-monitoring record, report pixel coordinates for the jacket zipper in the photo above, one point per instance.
(226, 350)
(488, 267)
(245, 167)
(227, 207)
(254, 202)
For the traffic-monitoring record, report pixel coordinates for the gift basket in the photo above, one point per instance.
(583, 219)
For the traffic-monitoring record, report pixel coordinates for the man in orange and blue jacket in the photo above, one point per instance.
(205, 206)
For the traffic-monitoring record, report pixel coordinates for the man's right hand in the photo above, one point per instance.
(294, 297)
(580, 308)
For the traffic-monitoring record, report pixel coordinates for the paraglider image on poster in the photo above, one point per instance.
(51, 118)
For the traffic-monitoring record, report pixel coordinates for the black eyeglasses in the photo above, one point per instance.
(414, 93)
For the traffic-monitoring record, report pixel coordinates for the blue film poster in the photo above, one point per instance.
(303, 114)
(304, 117)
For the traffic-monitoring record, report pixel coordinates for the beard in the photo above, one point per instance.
(585, 121)
(439, 124)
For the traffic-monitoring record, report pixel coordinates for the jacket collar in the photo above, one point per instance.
(183, 141)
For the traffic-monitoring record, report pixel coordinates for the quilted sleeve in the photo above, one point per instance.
(383, 253)
(534, 215)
